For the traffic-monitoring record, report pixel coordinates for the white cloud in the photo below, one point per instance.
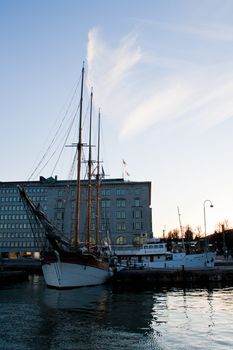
(108, 68)
(163, 105)
(136, 102)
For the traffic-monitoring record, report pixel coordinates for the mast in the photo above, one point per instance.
(79, 153)
(88, 229)
(97, 187)
(181, 229)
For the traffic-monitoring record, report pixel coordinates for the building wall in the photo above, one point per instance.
(125, 213)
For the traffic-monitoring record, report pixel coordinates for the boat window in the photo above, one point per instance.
(161, 246)
(151, 246)
(145, 246)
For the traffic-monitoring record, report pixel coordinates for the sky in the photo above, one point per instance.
(162, 76)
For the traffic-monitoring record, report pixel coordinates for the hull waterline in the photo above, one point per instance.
(67, 275)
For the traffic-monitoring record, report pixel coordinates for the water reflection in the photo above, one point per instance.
(37, 318)
(88, 299)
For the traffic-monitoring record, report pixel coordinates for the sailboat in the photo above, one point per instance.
(69, 264)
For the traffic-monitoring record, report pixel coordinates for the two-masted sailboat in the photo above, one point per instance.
(69, 264)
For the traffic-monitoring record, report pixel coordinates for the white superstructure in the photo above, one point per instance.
(155, 255)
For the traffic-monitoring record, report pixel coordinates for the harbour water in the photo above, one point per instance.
(33, 317)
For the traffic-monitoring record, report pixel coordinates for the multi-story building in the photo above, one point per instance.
(125, 212)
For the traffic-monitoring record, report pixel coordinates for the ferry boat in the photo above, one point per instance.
(154, 254)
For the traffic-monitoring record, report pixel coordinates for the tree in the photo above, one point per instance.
(188, 235)
(173, 235)
(223, 226)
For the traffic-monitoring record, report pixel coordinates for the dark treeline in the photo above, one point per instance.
(220, 241)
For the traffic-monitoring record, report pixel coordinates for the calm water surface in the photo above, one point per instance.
(37, 318)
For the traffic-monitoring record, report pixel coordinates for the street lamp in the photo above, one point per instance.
(211, 206)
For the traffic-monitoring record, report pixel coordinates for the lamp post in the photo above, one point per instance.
(211, 206)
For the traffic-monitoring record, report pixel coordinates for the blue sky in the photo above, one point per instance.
(162, 75)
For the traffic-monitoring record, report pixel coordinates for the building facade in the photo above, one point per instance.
(124, 217)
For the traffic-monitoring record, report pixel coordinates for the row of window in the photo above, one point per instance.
(105, 203)
(120, 226)
(13, 217)
(17, 208)
(12, 207)
(120, 203)
(21, 235)
(19, 244)
(29, 190)
(18, 225)
(137, 214)
(104, 192)
(17, 199)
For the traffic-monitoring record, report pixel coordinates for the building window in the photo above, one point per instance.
(121, 226)
(137, 214)
(106, 192)
(105, 214)
(60, 193)
(105, 203)
(59, 204)
(121, 203)
(136, 202)
(121, 214)
(121, 192)
(138, 225)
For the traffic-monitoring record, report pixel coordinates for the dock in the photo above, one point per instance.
(17, 270)
(21, 264)
(139, 277)
(10, 277)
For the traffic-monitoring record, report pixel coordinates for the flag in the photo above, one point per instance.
(103, 173)
(124, 163)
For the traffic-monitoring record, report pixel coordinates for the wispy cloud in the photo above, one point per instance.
(213, 32)
(204, 30)
(109, 68)
(137, 102)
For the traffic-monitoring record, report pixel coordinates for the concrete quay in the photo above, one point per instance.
(21, 264)
(172, 277)
(10, 277)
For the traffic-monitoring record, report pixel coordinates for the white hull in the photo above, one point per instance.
(66, 275)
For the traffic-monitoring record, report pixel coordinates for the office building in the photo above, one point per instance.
(125, 212)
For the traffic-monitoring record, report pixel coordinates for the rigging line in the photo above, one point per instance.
(68, 132)
(72, 169)
(44, 156)
(72, 98)
(72, 121)
(53, 140)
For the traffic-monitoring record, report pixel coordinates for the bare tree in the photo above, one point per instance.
(223, 226)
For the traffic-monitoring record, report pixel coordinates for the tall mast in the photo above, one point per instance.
(97, 187)
(88, 228)
(181, 229)
(79, 153)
